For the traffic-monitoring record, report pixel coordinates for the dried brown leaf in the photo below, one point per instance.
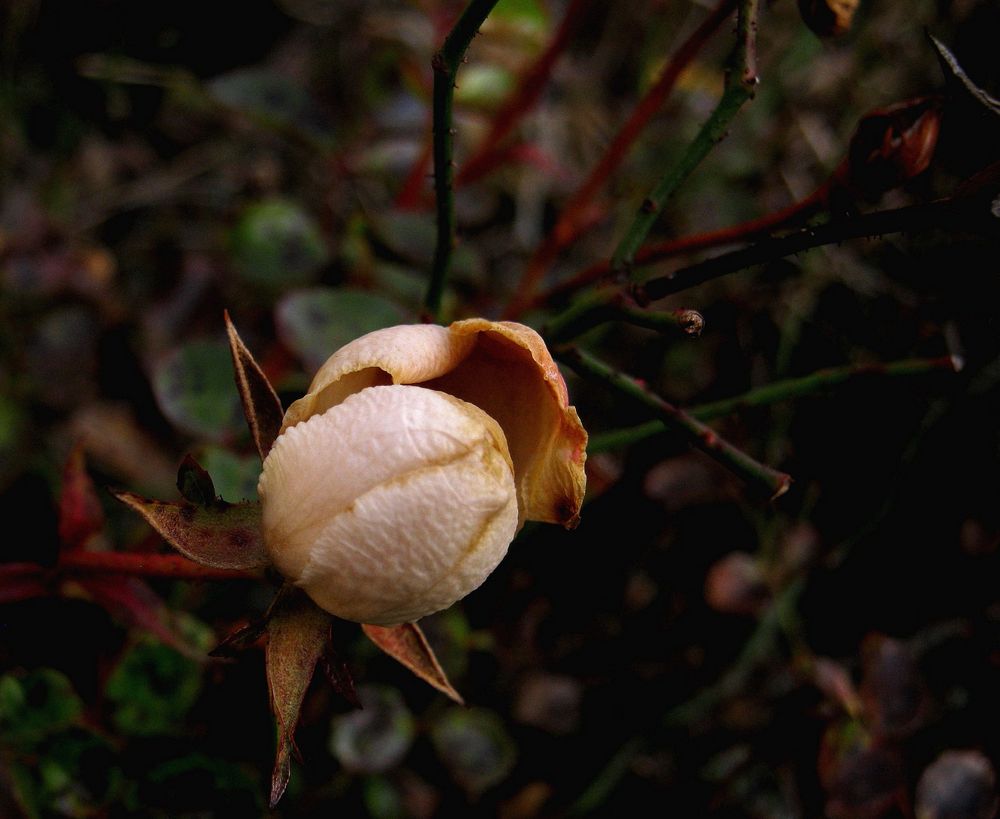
(223, 536)
(298, 634)
(260, 402)
(407, 644)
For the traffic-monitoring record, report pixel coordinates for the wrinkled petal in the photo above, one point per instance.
(510, 375)
(407, 354)
(391, 505)
(504, 369)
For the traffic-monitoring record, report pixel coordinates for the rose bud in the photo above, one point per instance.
(399, 480)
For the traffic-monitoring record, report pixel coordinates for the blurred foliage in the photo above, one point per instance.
(685, 649)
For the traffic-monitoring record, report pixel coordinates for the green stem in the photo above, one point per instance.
(755, 474)
(761, 646)
(446, 63)
(773, 393)
(610, 304)
(740, 86)
(959, 213)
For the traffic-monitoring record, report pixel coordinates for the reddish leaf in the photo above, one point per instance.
(298, 634)
(223, 536)
(260, 402)
(133, 602)
(407, 644)
(80, 513)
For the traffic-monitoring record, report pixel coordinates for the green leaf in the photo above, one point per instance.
(484, 86)
(272, 98)
(475, 747)
(407, 644)
(13, 437)
(528, 13)
(152, 689)
(194, 389)
(409, 235)
(195, 483)
(376, 738)
(261, 406)
(314, 323)
(36, 705)
(224, 536)
(383, 799)
(225, 788)
(235, 476)
(277, 245)
(298, 634)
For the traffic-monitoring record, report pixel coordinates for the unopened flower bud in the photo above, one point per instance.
(400, 479)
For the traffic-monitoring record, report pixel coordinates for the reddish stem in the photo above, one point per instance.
(793, 214)
(411, 196)
(573, 217)
(524, 98)
(144, 565)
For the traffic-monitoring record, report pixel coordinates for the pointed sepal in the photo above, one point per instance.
(407, 644)
(223, 536)
(297, 637)
(260, 402)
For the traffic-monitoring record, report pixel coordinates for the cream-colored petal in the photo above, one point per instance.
(390, 505)
(511, 375)
(407, 354)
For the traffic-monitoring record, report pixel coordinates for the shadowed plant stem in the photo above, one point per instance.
(134, 564)
(958, 213)
(610, 304)
(574, 215)
(740, 86)
(785, 390)
(755, 474)
(446, 63)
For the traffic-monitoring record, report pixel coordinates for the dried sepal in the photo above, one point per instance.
(297, 636)
(407, 644)
(223, 536)
(260, 402)
(952, 67)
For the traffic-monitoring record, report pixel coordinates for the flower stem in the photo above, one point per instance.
(955, 213)
(648, 254)
(446, 63)
(611, 304)
(754, 473)
(524, 98)
(139, 564)
(574, 215)
(773, 393)
(740, 87)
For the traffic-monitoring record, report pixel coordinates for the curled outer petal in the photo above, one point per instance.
(391, 505)
(504, 369)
